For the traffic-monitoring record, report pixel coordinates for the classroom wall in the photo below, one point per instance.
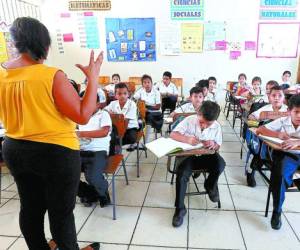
(241, 16)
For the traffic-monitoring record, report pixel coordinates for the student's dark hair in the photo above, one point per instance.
(203, 83)
(212, 78)
(242, 74)
(116, 75)
(277, 87)
(195, 90)
(294, 102)
(144, 77)
(81, 94)
(209, 110)
(272, 82)
(287, 72)
(167, 74)
(31, 36)
(256, 78)
(74, 84)
(121, 85)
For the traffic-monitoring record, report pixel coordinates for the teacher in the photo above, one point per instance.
(39, 109)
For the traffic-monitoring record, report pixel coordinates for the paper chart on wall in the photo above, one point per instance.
(191, 37)
(170, 39)
(278, 40)
(3, 51)
(213, 32)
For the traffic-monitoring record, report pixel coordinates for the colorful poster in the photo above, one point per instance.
(250, 45)
(91, 30)
(278, 14)
(12, 52)
(235, 54)
(278, 40)
(187, 10)
(192, 37)
(220, 45)
(213, 31)
(3, 50)
(280, 4)
(130, 39)
(170, 39)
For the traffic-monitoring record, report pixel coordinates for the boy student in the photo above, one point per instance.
(110, 88)
(275, 109)
(286, 79)
(128, 108)
(242, 78)
(212, 89)
(195, 129)
(151, 97)
(285, 163)
(101, 95)
(196, 99)
(168, 91)
(94, 149)
(269, 86)
(203, 84)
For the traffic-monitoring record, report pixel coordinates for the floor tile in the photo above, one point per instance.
(210, 229)
(231, 147)
(101, 227)
(294, 220)
(247, 198)
(153, 248)
(160, 174)
(259, 235)
(230, 138)
(9, 218)
(146, 171)
(155, 227)
(233, 159)
(236, 175)
(5, 242)
(291, 203)
(6, 181)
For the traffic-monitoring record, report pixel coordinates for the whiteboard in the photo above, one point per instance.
(278, 40)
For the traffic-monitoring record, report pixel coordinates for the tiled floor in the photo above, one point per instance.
(146, 206)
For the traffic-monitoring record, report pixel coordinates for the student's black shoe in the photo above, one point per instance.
(256, 163)
(178, 217)
(86, 202)
(297, 183)
(251, 179)
(276, 221)
(93, 246)
(131, 148)
(108, 197)
(213, 194)
(104, 200)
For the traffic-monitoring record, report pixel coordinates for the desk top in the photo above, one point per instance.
(201, 151)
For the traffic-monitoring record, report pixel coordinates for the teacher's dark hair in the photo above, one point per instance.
(31, 36)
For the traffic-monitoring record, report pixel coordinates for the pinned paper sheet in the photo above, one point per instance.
(3, 51)
(220, 45)
(191, 37)
(68, 37)
(250, 45)
(234, 55)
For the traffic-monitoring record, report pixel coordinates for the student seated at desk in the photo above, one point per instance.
(272, 110)
(212, 89)
(242, 78)
(110, 88)
(286, 79)
(168, 91)
(195, 129)
(269, 86)
(128, 108)
(285, 163)
(94, 149)
(151, 97)
(204, 85)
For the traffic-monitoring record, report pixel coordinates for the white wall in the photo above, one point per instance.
(242, 14)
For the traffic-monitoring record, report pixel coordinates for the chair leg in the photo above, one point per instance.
(233, 115)
(219, 204)
(228, 109)
(125, 172)
(114, 197)
(173, 174)
(138, 160)
(145, 149)
(268, 201)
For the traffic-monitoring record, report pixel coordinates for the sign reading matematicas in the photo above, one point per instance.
(90, 5)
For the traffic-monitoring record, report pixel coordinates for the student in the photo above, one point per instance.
(269, 86)
(285, 163)
(94, 149)
(195, 129)
(286, 79)
(276, 106)
(168, 91)
(128, 108)
(203, 84)
(196, 99)
(100, 93)
(110, 88)
(255, 89)
(212, 89)
(151, 97)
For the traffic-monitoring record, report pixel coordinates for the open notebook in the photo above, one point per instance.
(164, 146)
(278, 141)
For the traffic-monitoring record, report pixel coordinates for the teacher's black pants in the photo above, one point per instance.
(168, 103)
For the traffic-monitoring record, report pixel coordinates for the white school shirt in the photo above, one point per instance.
(210, 97)
(170, 89)
(284, 124)
(110, 88)
(268, 107)
(150, 98)
(190, 127)
(186, 108)
(101, 95)
(97, 121)
(129, 111)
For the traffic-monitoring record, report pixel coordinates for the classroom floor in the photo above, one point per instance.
(146, 206)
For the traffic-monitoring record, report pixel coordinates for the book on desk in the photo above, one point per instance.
(164, 146)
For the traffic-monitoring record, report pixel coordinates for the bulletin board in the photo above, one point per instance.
(278, 40)
(130, 39)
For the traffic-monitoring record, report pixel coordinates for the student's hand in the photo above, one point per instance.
(290, 144)
(209, 144)
(93, 69)
(192, 141)
(283, 136)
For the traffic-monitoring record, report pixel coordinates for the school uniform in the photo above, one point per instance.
(130, 112)
(285, 85)
(94, 152)
(210, 97)
(268, 107)
(110, 88)
(151, 99)
(101, 95)
(214, 163)
(186, 108)
(285, 163)
(168, 102)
